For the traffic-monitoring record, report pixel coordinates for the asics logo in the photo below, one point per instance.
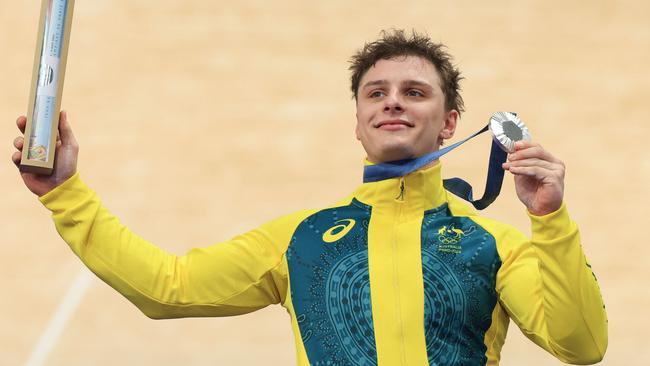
(337, 232)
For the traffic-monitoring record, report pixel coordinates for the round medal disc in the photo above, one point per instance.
(507, 129)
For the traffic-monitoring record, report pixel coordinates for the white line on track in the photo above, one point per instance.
(57, 324)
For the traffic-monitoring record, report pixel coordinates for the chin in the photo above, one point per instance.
(395, 152)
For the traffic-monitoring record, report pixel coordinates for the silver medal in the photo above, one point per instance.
(507, 129)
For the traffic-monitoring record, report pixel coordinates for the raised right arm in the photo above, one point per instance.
(243, 274)
(238, 276)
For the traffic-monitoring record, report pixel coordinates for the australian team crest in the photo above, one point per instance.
(449, 238)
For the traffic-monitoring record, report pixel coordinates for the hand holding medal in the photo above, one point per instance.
(539, 177)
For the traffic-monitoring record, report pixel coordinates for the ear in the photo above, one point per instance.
(356, 128)
(449, 125)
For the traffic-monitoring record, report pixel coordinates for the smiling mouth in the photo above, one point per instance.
(394, 124)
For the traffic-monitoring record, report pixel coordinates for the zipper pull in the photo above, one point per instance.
(400, 197)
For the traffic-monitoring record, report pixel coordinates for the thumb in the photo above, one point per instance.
(65, 131)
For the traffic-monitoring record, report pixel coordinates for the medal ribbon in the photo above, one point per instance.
(457, 186)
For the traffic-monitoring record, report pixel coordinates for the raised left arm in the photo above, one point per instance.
(546, 283)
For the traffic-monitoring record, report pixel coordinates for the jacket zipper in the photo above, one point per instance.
(400, 200)
(400, 197)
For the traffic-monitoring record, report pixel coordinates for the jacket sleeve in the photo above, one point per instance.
(549, 290)
(235, 277)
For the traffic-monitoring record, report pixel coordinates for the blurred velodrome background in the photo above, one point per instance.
(200, 120)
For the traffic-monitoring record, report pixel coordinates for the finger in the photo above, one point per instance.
(534, 172)
(533, 151)
(65, 130)
(526, 147)
(19, 142)
(15, 157)
(539, 173)
(525, 144)
(21, 122)
(533, 162)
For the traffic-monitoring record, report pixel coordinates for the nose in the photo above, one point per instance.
(393, 104)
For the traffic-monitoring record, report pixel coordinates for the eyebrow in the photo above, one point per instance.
(374, 82)
(406, 82)
(417, 83)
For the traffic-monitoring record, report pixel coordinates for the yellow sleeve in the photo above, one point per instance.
(549, 290)
(241, 275)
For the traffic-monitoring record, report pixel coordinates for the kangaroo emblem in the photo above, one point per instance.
(452, 235)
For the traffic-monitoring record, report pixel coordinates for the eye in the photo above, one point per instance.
(414, 93)
(376, 94)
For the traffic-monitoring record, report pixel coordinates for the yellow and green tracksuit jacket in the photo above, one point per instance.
(399, 273)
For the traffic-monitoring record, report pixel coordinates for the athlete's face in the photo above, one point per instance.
(401, 110)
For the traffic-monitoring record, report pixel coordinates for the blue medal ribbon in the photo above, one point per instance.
(457, 186)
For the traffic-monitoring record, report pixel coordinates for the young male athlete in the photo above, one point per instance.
(400, 272)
